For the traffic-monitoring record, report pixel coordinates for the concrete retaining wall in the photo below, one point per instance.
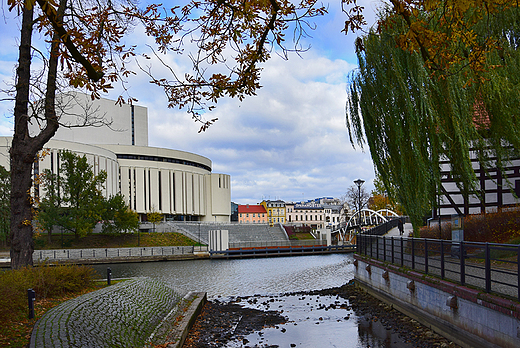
(469, 317)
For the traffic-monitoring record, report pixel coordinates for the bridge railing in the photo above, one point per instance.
(275, 243)
(491, 267)
(385, 226)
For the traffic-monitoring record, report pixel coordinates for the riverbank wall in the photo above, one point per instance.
(468, 317)
(113, 255)
(170, 253)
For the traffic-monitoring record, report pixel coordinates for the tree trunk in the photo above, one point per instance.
(22, 245)
(24, 148)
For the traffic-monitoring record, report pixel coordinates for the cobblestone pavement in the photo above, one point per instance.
(122, 315)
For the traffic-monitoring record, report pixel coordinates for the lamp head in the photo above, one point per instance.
(359, 182)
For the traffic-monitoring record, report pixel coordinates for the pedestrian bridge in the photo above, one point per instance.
(361, 220)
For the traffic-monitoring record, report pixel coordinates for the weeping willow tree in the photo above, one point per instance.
(413, 116)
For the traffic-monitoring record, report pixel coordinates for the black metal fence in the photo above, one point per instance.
(491, 267)
(383, 228)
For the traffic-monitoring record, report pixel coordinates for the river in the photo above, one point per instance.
(243, 277)
(271, 276)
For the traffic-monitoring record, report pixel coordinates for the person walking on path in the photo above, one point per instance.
(400, 226)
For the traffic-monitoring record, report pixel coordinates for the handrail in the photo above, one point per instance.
(492, 267)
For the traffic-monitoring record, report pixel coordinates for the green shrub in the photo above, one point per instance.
(497, 227)
(433, 232)
(46, 280)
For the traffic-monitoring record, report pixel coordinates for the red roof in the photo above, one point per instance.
(249, 208)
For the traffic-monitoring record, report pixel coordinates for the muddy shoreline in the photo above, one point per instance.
(224, 321)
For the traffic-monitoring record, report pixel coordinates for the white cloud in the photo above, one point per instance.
(288, 142)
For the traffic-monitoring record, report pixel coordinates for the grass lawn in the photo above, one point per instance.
(301, 236)
(98, 240)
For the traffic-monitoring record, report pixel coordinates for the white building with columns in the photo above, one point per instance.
(178, 184)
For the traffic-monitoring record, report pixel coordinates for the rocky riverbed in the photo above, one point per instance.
(270, 321)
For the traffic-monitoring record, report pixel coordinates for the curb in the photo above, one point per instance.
(193, 303)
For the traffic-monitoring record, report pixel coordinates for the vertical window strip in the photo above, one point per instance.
(173, 192)
(144, 187)
(160, 189)
(134, 190)
(133, 123)
(130, 189)
(149, 191)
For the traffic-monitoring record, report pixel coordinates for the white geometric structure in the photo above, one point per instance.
(178, 184)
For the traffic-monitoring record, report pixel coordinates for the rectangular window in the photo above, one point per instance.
(160, 193)
(134, 190)
(144, 188)
(130, 188)
(133, 124)
(173, 191)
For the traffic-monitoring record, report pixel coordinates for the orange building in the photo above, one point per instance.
(252, 214)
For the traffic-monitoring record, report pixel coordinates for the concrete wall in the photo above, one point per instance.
(99, 158)
(220, 202)
(129, 123)
(469, 317)
(185, 186)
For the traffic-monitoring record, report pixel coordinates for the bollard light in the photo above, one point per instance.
(31, 297)
(109, 276)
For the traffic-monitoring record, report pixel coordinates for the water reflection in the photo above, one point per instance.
(271, 276)
(243, 277)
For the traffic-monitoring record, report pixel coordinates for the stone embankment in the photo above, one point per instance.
(112, 255)
(129, 314)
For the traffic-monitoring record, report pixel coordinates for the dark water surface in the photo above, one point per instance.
(309, 324)
(243, 277)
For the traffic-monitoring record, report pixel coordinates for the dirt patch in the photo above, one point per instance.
(222, 322)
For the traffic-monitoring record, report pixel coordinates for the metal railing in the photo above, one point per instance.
(383, 228)
(275, 243)
(103, 253)
(491, 267)
(281, 250)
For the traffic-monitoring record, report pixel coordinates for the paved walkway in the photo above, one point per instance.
(394, 232)
(122, 315)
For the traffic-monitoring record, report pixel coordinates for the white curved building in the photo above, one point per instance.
(178, 184)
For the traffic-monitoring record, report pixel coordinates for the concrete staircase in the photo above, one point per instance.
(238, 233)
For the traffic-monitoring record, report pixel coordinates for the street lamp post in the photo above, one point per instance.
(359, 183)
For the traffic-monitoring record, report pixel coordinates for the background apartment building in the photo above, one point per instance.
(252, 214)
(275, 211)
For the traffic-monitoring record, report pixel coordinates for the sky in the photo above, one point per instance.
(288, 142)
